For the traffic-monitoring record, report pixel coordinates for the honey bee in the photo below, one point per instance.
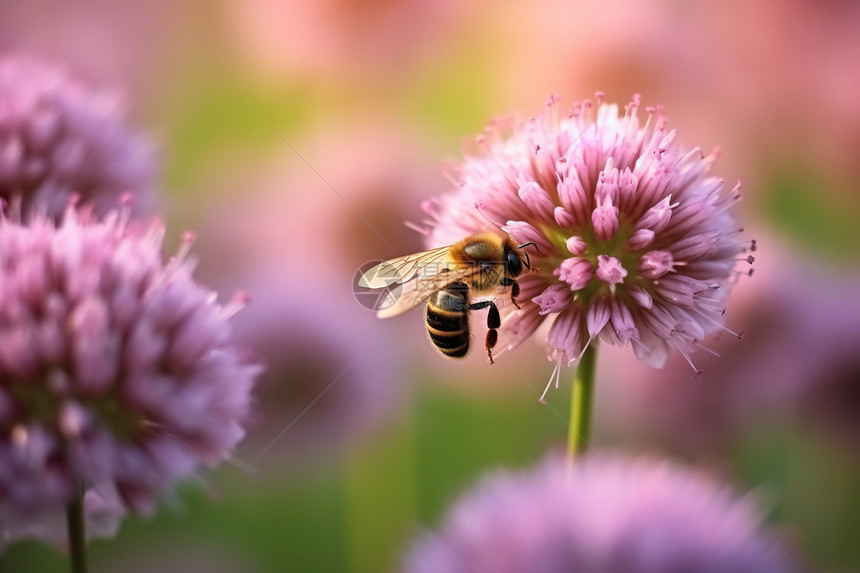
(443, 279)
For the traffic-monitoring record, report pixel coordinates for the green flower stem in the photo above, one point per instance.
(77, 531)
(381, 495)
(581, 402)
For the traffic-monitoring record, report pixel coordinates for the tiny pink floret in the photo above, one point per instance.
(610, 270)
(576, 271)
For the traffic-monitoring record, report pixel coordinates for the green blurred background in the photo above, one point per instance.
(297, 138)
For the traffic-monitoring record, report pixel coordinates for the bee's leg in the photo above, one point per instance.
(492, 338)
(494, 321)
(515, 289)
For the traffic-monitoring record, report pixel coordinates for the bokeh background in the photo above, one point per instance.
(296, 139)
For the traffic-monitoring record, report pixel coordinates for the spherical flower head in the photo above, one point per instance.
(634, 242)
(602, 515)
(116, 368)
(60, 138)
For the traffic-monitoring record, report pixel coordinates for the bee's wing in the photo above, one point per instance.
(414, 293)
(403, 269)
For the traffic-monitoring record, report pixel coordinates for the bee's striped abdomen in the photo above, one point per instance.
(447, 321)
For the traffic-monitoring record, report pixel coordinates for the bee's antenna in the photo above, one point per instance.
(529, 244)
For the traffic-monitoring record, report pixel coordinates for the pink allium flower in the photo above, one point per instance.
(636, 243)
(603, 515)
(116, 368)
(59, 138)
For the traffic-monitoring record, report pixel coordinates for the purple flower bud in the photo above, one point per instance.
(576, 271)
(655, 264)
(576, 245)
(640, 239)
(605, 220)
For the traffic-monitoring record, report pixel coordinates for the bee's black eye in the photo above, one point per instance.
(514, 264)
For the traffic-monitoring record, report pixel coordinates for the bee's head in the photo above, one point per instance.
(514, 264)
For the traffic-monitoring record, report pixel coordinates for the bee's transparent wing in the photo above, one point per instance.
(414, 293)
(404, 269)
(402, 298)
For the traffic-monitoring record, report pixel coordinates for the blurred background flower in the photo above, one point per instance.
(337, 38)
(118, 371)
(604, 514)
(797, 360)
(61, 138)
(296, 139)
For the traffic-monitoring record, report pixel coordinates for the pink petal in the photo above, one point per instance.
(564, 341)
(537, 199)
(640, 296)
(524, 233)
(657, 217)
(597, 316)
(605, 220)
(554, 299)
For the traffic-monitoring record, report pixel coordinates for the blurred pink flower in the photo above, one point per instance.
(603, 515)
(103, 512)
(806, 107)
(337, 38)
(803, 109)
(330, 381)
(132, 44)
(365, 179)
(636, 244)
(59, 138)
(798, 360)
(116, 369)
